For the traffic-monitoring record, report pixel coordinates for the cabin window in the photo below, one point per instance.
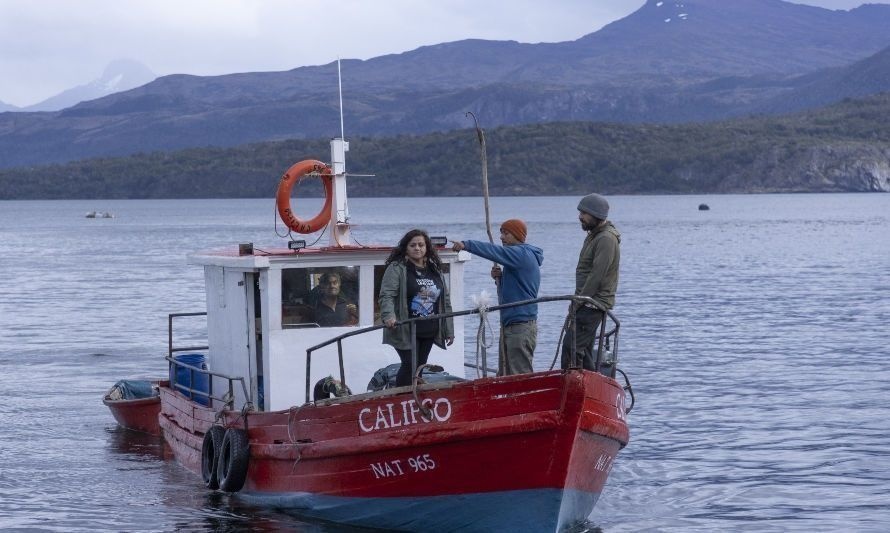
(378, 278)
(319, 297)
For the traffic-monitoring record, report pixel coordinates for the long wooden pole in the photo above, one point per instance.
(481, 136)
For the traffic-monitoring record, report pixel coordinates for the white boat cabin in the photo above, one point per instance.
(264, 309)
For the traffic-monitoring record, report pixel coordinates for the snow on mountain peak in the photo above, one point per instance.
(119, 75)
(111, 85)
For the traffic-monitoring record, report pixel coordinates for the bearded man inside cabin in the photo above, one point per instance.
(331, 308)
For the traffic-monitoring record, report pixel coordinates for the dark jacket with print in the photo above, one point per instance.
(394, 304)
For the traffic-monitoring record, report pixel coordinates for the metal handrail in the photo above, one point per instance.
(228, 400)
(602, 338)
(170, 348)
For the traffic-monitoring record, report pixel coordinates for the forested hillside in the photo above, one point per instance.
(845, 147)
(668, 62)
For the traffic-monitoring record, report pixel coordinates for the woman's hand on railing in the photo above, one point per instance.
(449, 341)
(390, 322)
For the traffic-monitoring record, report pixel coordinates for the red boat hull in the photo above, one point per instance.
(530, 450)
(137, 415)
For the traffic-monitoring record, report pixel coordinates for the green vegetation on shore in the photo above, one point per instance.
(845, 147)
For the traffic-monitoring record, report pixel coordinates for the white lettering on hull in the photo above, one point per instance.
(620, 406)
(604, 463)
(388, 469)
(406, 413)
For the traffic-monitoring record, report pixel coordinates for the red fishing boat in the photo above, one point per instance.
(265, 409)
(136, 405)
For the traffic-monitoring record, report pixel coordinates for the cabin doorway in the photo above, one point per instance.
(255, 337)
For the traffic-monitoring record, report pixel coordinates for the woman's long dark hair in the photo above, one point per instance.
(432, 257)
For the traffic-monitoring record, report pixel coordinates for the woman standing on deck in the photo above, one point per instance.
(413, 286)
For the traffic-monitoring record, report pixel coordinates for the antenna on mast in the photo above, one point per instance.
(338, 227)
(340, 90)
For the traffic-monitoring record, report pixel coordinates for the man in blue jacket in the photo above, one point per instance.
(519, 281)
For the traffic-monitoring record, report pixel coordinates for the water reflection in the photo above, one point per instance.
(137, 445)
(585, 526)
(756, 339)
(199, 509)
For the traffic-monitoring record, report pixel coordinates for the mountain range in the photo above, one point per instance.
(669, 62)
(844, 147)
(119, 75)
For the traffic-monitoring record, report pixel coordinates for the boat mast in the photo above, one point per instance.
(338, 227)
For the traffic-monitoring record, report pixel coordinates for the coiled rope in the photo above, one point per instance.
(425, 412)
(562, 335)
(484, 335)
(291, 435)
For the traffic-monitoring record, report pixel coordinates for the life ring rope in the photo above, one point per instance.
(295, 174)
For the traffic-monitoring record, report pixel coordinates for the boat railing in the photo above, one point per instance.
(606, 340)
(227, 399)
(170, 348)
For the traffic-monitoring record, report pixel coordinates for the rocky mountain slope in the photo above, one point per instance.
(842, 148)
(666, 62)
(119, 75)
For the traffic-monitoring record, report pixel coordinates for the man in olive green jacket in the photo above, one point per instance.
(596, 276)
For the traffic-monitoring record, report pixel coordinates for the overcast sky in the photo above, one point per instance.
(47, 46)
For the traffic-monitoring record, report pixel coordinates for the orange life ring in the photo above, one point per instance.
(294, 175)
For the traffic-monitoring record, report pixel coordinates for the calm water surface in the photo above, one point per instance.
(756, 335)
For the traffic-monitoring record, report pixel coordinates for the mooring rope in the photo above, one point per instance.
(227, 401)
(245, 409)
(291, 416)
(425, 412)
(562, 335)
(482, 302)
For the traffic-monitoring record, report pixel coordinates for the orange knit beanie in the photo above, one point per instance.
(516, 227)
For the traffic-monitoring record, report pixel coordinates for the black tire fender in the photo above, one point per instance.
(234, 456)
(210, 449)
